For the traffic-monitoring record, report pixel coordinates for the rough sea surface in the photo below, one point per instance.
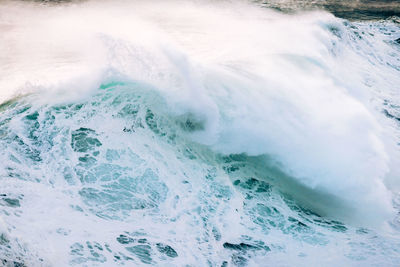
(198, 133)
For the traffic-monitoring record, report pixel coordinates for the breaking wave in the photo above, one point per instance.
(214, 133)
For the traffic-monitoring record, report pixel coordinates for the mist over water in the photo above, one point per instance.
(219, 133)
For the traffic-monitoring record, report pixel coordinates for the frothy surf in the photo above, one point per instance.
(196, 133)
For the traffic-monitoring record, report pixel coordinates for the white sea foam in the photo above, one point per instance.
(304, 92)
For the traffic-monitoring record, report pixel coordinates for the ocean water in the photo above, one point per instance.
(201, 133)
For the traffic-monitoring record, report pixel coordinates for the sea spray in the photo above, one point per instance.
(196, 133)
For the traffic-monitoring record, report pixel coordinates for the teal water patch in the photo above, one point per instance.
(82, 142)
(123, 159)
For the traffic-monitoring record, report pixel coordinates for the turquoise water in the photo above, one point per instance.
(138, 191)
(150, 136)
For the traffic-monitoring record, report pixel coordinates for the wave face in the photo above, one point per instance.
(214, 133)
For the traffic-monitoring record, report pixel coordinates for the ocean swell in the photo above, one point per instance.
(210, 126)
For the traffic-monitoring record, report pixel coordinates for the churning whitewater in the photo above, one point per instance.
(214, 133)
